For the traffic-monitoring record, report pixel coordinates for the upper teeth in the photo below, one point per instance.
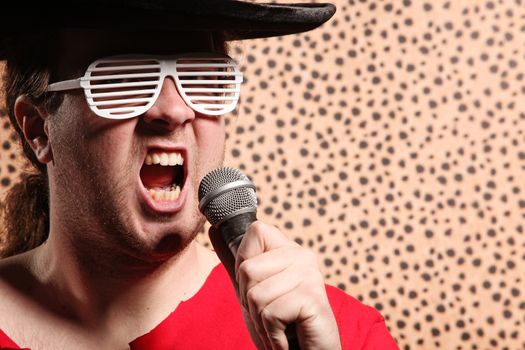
(164, 158)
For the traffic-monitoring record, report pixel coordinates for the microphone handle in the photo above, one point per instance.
(232, 231)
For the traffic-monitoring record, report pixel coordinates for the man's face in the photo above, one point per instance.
(100, 186)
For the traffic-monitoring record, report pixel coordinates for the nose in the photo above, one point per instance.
(169, 110)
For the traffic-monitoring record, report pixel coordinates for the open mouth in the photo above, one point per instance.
(163, 175)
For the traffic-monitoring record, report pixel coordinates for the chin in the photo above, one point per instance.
(168, 239)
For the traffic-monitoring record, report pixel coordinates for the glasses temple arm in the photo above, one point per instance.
(64, 85)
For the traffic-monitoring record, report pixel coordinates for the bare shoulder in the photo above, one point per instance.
(28, 315)
(23, 304)
(17, 284)
(16, 275)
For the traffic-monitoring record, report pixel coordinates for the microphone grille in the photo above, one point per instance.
(226, 192)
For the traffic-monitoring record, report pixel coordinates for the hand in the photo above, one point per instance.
(278, 283)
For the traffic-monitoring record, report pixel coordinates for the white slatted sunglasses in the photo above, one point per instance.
(126, 86)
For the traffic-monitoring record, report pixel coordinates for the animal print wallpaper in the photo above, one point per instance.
(391, 142)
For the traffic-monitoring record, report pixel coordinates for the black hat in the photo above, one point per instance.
(236, 19)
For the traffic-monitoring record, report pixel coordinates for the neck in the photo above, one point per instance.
(111, 290)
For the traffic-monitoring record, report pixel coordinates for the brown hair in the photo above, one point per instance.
(25, 211)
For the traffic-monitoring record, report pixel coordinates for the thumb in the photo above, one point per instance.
(223, 252)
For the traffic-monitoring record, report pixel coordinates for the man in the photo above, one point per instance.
(104, 230)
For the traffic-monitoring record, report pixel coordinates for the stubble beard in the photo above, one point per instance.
(102, 226)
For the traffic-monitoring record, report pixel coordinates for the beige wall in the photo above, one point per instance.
(392, 142)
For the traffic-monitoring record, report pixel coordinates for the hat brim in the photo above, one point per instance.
(236, 19)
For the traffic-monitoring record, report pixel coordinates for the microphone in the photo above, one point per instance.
(227, 199)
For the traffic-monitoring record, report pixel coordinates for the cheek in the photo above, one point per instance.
(76, 132)
(68, 125)
(210, 137)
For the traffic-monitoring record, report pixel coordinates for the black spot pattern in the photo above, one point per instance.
(11, 158)
(391, 141)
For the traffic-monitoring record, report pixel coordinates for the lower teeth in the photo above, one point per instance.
(165, 195)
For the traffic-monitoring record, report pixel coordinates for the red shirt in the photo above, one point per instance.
(212, 319)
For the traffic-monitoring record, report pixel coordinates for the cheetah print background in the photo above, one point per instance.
(391, 141)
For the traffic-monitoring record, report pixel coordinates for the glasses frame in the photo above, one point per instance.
(169, 66)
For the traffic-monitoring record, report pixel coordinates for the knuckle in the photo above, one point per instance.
(318, 304)
(267, 317)
(260, 228)
(274, 329)
(253, 297)
(256, 227)
(309, 255)
(241, 256)
(306, 258)
(315, 307)
(276, 339)
(246, 269)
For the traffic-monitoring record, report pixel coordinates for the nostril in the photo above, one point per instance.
(156, 125)
(157, 119)
(159, 122)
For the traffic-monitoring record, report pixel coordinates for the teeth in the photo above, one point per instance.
(164, 158)
(163, 195)
(173, 159)
(156, 159)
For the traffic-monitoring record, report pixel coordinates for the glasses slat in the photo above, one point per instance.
(124, 67)
(121, 110)
(120, 93)
(122, 85)
(213, 98)
(220, 90)
(206, 65)
(207, 74)
(122, 76)
(213, 105)
(208, 82)
(120, 102)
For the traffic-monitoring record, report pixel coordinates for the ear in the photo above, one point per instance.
(33, 122)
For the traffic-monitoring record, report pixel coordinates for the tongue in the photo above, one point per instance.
(157, 176)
